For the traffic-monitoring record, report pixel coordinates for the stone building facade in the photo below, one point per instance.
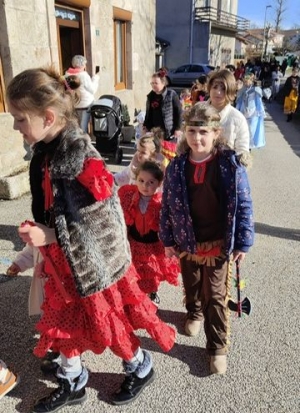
(116, 35)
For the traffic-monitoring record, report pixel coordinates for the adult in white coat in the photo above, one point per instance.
(87, 89)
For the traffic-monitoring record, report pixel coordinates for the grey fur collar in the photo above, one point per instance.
(74, 147)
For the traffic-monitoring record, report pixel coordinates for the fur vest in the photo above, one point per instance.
(92, 234)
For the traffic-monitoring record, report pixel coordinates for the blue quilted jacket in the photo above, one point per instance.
(176, 227)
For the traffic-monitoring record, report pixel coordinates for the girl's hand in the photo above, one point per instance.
(238, 255)
(170, 252)
(13, 270)
(38, 235)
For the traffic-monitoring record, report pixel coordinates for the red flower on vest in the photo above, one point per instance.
(155, 104)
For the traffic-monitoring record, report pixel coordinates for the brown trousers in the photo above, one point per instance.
(206, 292)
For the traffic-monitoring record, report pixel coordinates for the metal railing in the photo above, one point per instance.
(221, 18)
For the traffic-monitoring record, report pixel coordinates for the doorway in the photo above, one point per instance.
(70, 35)
(70, 45)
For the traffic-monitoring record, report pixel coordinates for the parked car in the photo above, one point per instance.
(185, 75)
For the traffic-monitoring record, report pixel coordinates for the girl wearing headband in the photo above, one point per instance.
(207, 220)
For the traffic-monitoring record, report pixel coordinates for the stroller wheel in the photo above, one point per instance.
(119, 156)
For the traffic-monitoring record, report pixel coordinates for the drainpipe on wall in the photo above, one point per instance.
(192, 13)
(208, 45)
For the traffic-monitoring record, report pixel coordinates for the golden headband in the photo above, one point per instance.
(212, 123)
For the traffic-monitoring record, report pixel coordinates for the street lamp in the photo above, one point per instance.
(264, 39)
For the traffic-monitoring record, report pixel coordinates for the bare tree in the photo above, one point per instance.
(280, 8)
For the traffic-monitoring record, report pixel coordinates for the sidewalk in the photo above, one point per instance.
(263, 374)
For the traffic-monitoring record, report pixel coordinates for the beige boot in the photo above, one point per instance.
(218, 364)
(192, 327)
(7, 380)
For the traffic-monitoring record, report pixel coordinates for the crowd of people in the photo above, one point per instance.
(101, 243)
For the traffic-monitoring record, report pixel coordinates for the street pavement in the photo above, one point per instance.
(263, 373)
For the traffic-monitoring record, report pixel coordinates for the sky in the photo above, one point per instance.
(254, 10)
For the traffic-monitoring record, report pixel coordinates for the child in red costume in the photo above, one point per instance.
(92, 299)
(141, 204)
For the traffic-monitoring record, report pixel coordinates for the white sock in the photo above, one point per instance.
(72, 366)
(138, 356)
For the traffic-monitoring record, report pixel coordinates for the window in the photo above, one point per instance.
(183, 69)
(196, 69)
(122, 44)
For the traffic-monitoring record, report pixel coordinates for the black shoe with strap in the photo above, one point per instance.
(50, 363)
(154, 297)
(131, 388)
(60, 397)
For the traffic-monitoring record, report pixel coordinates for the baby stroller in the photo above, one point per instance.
(107, 126)
(267, 90)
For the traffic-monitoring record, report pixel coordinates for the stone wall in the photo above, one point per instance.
(28, 38)
(14, 180)
(12, 149)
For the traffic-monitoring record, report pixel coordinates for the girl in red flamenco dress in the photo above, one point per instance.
(92, 298)
(141, 204)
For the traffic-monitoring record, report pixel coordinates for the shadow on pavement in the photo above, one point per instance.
(175, 318)
(289, 130)
(106, 384)
(278, 232)
(40, 390)
(10, 233)
(193, 356)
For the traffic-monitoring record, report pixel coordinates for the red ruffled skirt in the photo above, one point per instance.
(153, 266)
(105, 319)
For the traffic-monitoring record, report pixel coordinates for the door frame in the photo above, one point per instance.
(75, 24)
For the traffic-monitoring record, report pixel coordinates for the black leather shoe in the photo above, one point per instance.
(60, 397)
(154, 297)
(131, 388)
(50, 363)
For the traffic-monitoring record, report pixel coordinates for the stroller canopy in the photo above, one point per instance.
(106, 116)
(109, 101)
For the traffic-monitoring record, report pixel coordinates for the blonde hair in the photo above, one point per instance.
(185, 92)
(202, 113)
(35, 90)
(152, 139)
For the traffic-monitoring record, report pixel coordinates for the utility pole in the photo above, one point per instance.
(192, 19)
(263, 51)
